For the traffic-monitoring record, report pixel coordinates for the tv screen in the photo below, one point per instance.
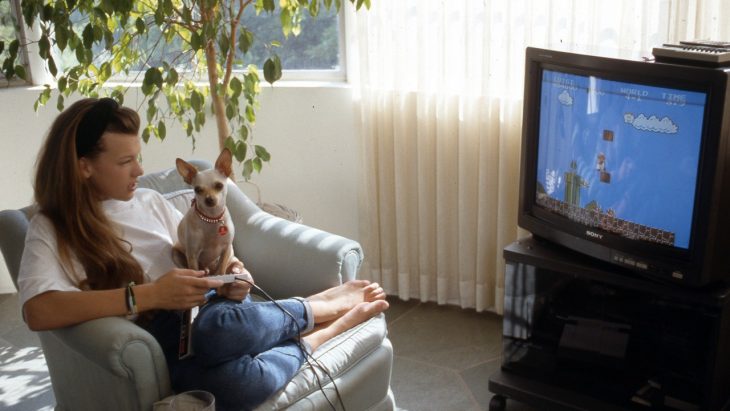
(620, 156)
(624, 160)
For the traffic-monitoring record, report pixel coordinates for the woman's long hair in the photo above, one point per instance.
(82, 228)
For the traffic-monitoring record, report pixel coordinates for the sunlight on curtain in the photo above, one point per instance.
(438, 86)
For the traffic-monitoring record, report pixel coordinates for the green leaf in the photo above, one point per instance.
(196, 42)
(59, 103)
(236, 87)
(245, 40)
(240, 151)
(146, 135)
(196, 101)
(230, 111)
(45, 96)
(257, 164)
(199, 120)
(269, 5)
(250, 114)
(47, 13)
(153, 77)
(167, 7)
(118, 94)
(98, 33)
(224, 43)
(243, 133)
(272, 69)
(159, 15)
(61, 37)
(172, 77)
(20, 72)
(88, 36)
(230, 144)
(247, 169)
(285, 21)
(2, 46)
(151, 110)
(187, 15)
(44, 47)
(314, 9)
(8, 69)
(108, 39)
(62, 84)
(262, 153)
(51, 66)
(139, 24)
(13, 48)
(161, 129)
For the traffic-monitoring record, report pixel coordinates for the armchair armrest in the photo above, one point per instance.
(13, 225)
(122, 356)
(287, 258)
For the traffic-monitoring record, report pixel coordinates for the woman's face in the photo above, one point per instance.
(113, 172)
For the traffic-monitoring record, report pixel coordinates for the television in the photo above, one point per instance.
(627, 161)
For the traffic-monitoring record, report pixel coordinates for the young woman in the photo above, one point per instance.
(97, 240)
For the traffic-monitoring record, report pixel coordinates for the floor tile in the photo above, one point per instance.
(419, 386)
(447, 336)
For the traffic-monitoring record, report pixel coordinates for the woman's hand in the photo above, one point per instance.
(237, 290)
(179, 289)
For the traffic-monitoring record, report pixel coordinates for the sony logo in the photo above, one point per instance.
(594, 234)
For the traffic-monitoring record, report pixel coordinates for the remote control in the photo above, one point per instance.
(707, 43)
(228, 278)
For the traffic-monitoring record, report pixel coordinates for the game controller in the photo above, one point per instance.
(229, 278)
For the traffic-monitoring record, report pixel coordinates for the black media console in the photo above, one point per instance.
(581, 334)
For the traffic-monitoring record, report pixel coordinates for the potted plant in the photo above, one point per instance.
(190, 54)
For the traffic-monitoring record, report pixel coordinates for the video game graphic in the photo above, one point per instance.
(618, 156)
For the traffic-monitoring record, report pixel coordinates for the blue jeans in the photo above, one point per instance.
(243, 352)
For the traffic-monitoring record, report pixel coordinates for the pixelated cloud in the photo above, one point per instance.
(552, 181)
(565, 98)
(654, 124)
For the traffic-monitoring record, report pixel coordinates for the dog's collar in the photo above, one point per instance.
(206, 218)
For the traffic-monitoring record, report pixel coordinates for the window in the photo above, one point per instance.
(10, 30)
(315, 54)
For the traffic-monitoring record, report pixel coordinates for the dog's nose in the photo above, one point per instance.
(209, 201)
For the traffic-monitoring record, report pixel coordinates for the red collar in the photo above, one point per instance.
(206, 218)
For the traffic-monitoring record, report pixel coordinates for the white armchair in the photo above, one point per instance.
(113, 364)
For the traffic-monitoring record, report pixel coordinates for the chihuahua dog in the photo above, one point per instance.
(205, 234)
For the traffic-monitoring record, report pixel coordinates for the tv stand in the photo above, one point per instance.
(582, 334)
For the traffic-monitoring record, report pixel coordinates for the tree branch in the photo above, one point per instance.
(232, 49)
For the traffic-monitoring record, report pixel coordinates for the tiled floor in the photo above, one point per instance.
(443, 358)
(24, 381)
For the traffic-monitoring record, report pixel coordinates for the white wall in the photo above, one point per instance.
(308, 129)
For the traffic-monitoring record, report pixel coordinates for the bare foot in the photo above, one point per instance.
(358, 314)
(334, 302)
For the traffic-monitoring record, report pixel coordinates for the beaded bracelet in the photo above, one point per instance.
(129, 299)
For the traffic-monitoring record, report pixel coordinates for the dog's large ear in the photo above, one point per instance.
(186, 170)
(223, 163)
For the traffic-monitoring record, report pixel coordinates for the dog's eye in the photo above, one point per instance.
(219, 186)
(198, 190)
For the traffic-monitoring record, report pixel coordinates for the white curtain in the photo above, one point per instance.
(438, 87)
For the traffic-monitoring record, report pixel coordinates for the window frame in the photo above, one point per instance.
(338, 75)
(22, 50)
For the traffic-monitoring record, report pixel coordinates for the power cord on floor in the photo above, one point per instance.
(307, 356)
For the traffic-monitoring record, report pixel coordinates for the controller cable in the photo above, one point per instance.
(305, 352)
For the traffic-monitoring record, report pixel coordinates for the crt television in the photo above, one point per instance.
(627, 161)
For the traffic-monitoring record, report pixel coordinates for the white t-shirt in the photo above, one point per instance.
(148, 221)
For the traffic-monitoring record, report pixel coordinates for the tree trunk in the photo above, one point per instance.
(217, 100)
